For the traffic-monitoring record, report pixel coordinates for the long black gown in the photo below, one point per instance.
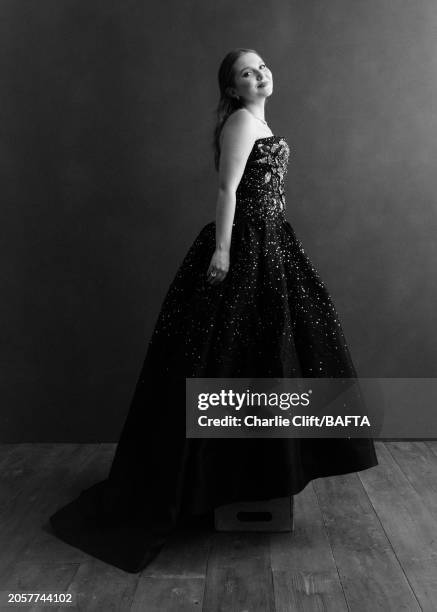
(272, 316)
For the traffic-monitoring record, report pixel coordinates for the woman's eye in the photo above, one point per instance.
(261, 66)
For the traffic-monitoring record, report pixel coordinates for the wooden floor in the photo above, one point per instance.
(365, 541)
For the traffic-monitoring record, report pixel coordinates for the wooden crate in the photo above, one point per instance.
(265, 515)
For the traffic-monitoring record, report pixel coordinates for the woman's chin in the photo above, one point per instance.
(265, 91)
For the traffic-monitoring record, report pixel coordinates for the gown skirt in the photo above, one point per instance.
(272, 316)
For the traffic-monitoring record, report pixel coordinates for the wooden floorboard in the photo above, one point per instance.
(369, 570)
(22, 466)
(56, 477)
(365, 541)
(409, 524)
(418, 462)
(245, 583)
(168, 594)
(305, 576)
(93, 468)
(100, 586)
(175, 579)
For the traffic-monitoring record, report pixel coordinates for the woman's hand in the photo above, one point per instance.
(218, 268)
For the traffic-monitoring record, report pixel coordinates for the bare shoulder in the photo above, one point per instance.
(239, 126)
(240, 117)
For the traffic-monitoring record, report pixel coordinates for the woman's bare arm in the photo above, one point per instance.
(238, 137)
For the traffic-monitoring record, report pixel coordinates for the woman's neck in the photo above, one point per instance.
(257, 109)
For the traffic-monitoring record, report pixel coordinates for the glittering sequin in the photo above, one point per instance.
(272, 316)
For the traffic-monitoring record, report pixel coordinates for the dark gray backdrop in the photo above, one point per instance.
(106, 113)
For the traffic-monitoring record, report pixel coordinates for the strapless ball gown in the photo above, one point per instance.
(272, 316)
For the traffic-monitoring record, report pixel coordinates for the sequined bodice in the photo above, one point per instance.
(260, 194)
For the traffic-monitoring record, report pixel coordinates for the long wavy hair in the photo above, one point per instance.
(227, 104)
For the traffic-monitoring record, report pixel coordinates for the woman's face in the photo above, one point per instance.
(252, 78)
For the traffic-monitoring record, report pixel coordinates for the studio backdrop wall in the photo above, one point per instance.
(107, 177)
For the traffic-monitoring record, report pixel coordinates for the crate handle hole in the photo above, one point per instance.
(254, 516)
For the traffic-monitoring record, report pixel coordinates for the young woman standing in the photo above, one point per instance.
(245, 302)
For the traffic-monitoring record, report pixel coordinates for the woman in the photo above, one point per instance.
(246, 302)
